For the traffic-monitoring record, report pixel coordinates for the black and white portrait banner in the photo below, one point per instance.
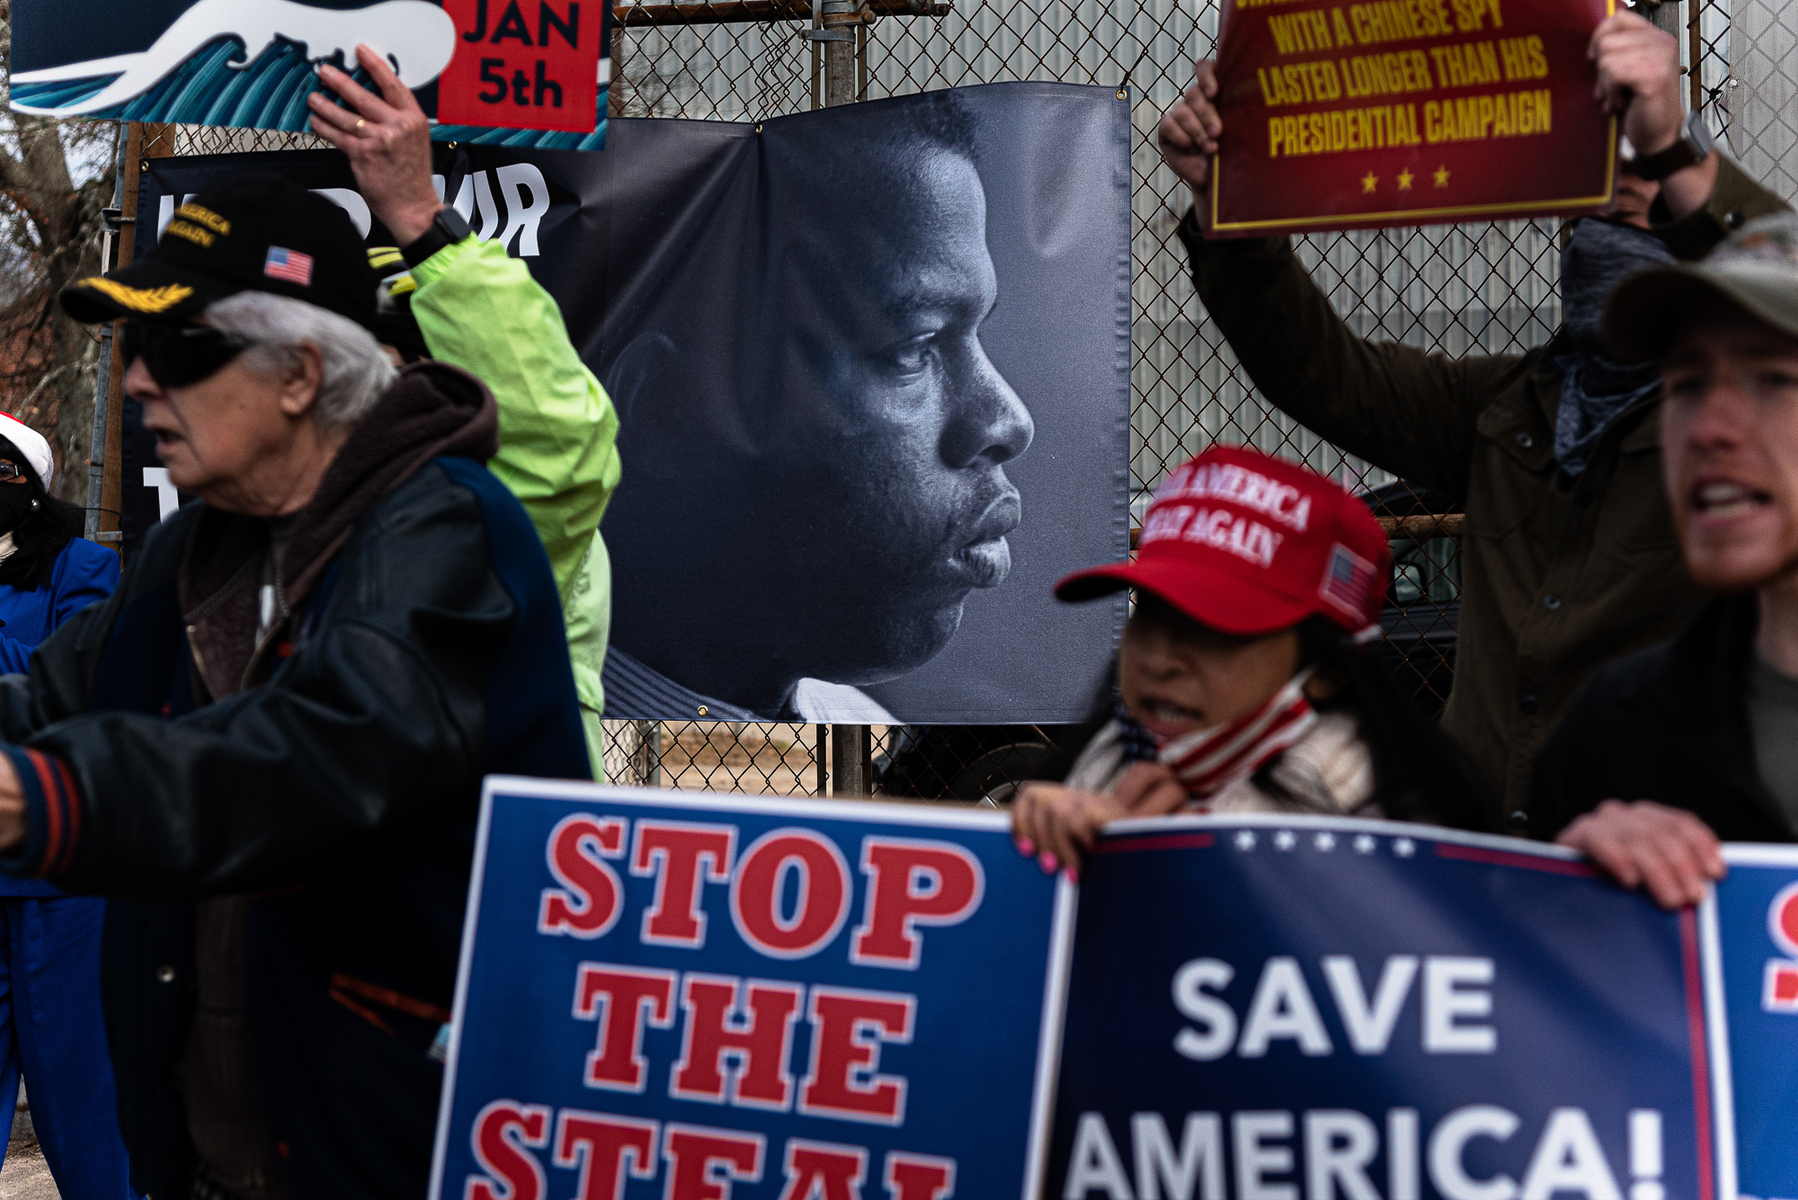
(872, 367)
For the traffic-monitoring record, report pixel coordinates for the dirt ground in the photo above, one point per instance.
(724, 757)
(25, 1176)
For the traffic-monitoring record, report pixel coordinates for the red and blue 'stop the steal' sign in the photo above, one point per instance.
(750, 998)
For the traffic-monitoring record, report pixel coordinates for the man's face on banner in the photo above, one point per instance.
(893, 427)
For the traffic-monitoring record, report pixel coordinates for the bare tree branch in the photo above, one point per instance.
(50, 231)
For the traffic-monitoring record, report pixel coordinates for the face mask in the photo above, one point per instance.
(1209, 760)
(15, 502)
(1595, 389)
(1597, 257)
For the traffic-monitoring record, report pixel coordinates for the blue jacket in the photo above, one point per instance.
(84, 574)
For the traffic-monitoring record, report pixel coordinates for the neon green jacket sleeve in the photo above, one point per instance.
(480, 310)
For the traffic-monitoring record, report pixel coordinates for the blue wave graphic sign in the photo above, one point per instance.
(251, 63)
(1270, 1008)
(1751, 934)
(699, 996)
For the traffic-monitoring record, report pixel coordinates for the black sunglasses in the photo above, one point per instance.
(180, 355)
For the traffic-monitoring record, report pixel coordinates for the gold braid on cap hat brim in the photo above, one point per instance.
(144, 300)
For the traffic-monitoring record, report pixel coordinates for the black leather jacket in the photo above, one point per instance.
(341, 795)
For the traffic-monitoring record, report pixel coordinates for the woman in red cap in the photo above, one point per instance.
(1243, 681)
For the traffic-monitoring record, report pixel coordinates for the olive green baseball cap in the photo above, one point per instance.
(1754, 270)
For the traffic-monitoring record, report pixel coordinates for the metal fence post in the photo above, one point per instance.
(838, 36)
(849, 753)
(103, 380)
(615, 85)
(649, 751)
(107, 389)
(849, 744)
(1695, 53)
(1665, 15)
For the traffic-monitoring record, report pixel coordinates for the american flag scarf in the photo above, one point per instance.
(1139, 745)
(1209, 760)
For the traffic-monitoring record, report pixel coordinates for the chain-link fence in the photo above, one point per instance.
(1465, 289)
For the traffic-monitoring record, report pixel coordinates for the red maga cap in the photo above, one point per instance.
(1249, 544)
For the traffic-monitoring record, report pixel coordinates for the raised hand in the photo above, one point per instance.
(1638, 77)
(388, 140)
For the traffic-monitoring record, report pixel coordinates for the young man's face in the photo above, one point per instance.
(1729, 430)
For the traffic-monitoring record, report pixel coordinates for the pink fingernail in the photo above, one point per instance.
(1072, 875)
(1047, 862)
(1026, 847)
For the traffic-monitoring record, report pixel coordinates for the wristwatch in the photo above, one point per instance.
(447, 228)
(1694, 146)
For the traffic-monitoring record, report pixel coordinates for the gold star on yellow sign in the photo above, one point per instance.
(1368, 182)
(1442, 176)
(1404, 181)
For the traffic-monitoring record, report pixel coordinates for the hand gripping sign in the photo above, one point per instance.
(1751, 941)
(1346, 113)
(1269, 1008)
(737, 998)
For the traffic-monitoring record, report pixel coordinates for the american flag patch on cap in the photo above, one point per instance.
(1348, 581)
(289, 265)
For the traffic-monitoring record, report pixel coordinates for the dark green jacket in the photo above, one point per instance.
(1559, 575)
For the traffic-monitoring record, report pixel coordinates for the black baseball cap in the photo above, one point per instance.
(251, 233)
